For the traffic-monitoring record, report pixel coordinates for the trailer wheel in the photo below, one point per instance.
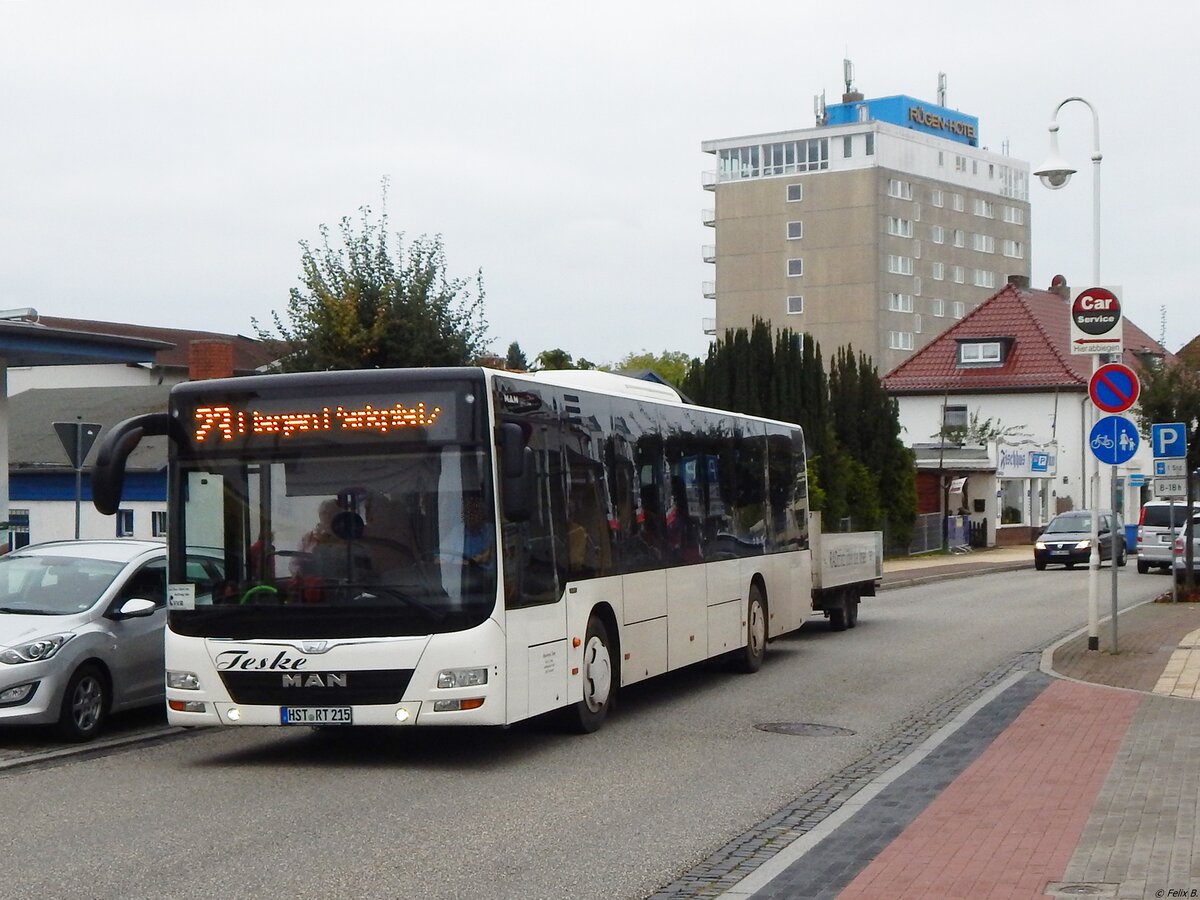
(851, 609)
(838, 618)
(750, 658)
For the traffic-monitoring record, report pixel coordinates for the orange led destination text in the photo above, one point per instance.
(226, 423)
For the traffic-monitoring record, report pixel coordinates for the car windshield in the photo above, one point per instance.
(53, 585)
(1161, 516)
(1070, 524)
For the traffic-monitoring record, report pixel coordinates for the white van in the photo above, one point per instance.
(1156, 532)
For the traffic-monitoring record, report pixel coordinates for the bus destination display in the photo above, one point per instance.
(215, 423)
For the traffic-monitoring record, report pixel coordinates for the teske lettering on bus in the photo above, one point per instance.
(242, 660)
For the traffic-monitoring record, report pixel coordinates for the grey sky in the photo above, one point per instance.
(160, 161)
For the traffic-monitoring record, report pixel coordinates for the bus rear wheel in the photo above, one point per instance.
(599, 681)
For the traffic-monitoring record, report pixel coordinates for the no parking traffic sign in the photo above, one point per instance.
(1114, 388)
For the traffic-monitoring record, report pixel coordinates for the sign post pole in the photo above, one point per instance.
(77, 438)
(1114, 441)
(1168, 441)
(1097, 327)
(1113, 558)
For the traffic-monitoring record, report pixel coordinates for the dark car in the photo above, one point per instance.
(1068, 539)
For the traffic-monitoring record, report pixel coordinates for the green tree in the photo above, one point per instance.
(375, 301)
(1171, 393)
(555, 359)
(515, 358)
(671, 365)
(866, 422)
(858, 467)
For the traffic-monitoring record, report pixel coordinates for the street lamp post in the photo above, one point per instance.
(1054, 173)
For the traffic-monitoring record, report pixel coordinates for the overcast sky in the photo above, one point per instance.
(161, 161)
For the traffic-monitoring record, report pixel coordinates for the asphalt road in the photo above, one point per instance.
(523, 812)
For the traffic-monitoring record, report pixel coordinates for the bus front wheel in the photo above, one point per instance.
(750, 658)
(599, 681)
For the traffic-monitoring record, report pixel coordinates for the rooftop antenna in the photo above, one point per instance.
(851, 95)
(1162, 326)
(941, 93)
(819, 108)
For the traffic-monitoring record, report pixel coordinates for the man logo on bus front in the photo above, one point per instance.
(314, 679)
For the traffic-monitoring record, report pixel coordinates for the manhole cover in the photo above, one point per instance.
(1084, 889)
(804, 729)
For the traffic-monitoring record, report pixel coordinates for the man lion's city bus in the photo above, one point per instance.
(468, 546)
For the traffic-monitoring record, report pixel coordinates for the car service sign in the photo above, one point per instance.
(1097, 324)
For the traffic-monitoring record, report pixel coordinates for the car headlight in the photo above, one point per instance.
(34, 651)
(452, 678)
(1039, 545)
(1084, 545)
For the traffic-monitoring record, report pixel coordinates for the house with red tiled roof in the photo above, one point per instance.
(996, 410)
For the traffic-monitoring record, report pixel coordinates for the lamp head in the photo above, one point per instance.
(1055, 172)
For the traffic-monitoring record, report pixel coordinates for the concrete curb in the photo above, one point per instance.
(901, 579)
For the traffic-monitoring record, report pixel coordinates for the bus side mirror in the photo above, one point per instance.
(516, 472)
(518, 491)
(510, 438)
(108, 473)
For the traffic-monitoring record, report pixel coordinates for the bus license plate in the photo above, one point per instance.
(316, 715)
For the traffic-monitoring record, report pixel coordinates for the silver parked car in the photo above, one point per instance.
(1158, 526)
(81, 632)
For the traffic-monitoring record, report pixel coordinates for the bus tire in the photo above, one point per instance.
(599, 681)
(750, 658)
(851, 609)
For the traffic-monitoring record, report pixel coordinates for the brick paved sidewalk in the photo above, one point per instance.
(1147, 636)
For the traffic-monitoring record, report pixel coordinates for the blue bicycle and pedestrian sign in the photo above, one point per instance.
(1113, 440)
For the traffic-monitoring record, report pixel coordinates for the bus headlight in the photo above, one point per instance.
(183, 681)
(453, 678)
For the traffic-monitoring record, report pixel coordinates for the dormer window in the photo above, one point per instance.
(981, 353)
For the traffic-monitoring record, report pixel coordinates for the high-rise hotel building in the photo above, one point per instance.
(878, 228)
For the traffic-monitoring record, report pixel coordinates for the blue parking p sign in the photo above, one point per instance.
(1169, 440)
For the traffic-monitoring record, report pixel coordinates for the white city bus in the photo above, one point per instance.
(624, 534)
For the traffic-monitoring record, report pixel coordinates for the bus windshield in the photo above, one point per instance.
(353, 545)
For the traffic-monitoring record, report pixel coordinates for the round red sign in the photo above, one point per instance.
(1096, 311)
(1114, 388)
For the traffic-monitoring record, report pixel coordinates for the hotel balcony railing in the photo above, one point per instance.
(708, 180)
(709, 325)
(709, 289)
(708, 253)
(708, 216)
